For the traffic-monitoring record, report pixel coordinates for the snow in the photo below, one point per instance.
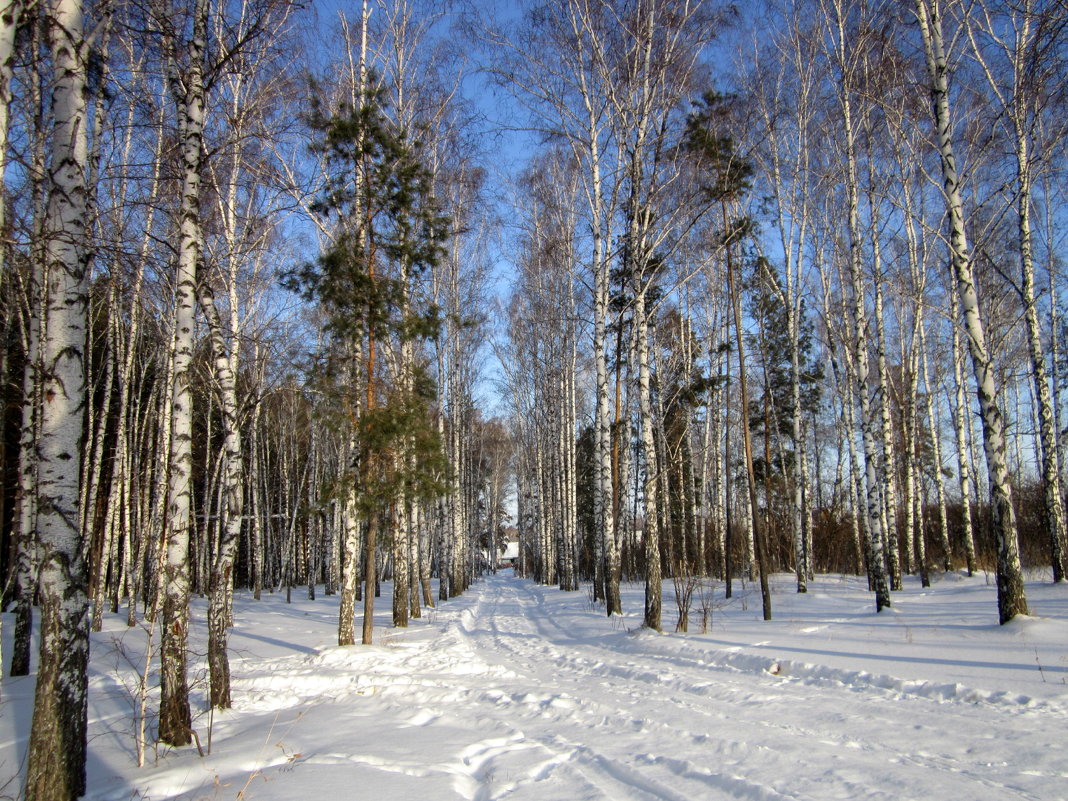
(520, 691)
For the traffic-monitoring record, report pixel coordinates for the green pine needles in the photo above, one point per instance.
(389, 233)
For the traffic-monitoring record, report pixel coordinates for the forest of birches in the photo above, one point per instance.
(769, 288)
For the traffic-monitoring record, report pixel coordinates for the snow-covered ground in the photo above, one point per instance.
(524, 692)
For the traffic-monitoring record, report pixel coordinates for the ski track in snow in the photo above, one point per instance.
(517, 691)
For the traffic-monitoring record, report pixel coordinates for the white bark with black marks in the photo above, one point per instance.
(57, 748)
(868, 404)
(1012, 599)
(221, 578)
(188, 91)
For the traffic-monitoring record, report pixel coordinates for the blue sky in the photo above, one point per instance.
(505, 147)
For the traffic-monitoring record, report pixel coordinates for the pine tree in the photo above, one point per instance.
(389, 231)
(772, 414)
(725, 177)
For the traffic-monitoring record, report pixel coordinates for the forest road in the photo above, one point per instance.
(593, 711)
(522, 692)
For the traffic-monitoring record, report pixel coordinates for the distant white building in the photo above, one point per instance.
(510, 554)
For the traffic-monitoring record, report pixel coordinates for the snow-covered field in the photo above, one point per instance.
(524, 692)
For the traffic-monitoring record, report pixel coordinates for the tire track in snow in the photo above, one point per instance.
(591, 716)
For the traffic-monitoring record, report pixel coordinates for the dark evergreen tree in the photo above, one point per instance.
(389, 230)
(770, 411)
(725, 178)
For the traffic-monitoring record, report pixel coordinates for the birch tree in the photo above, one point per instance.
(233, 461)
(725, 181)
(1021, 76)
(846, 64)
(57, 748)
(1012, 599)
(785, 104)
(31, 299)
(187, 84)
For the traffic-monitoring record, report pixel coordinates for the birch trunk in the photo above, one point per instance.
(401, 562)
(710, 485)
(625, 515)
(934, 424)
(960, 431)
(175, 720)
(856, 489)
(10, 13)
(26, 501)
(723, 461)
(914, 518)
(92, 474)
(876, 564)
(1055, 338)
(604, 508)
(333, 547)
(370, 540)
(10, 16)
(426, 546)
(568, 419)
(154, 540)
(57, 747)
(415, 549)
(256, 501)
(1019, 106)
(443, 506)
(1051, 471)
(650, 527)
(889, 455)
(1012, 599)
(233, 506)
(402, 524)
(350, 566)
(34, 313)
